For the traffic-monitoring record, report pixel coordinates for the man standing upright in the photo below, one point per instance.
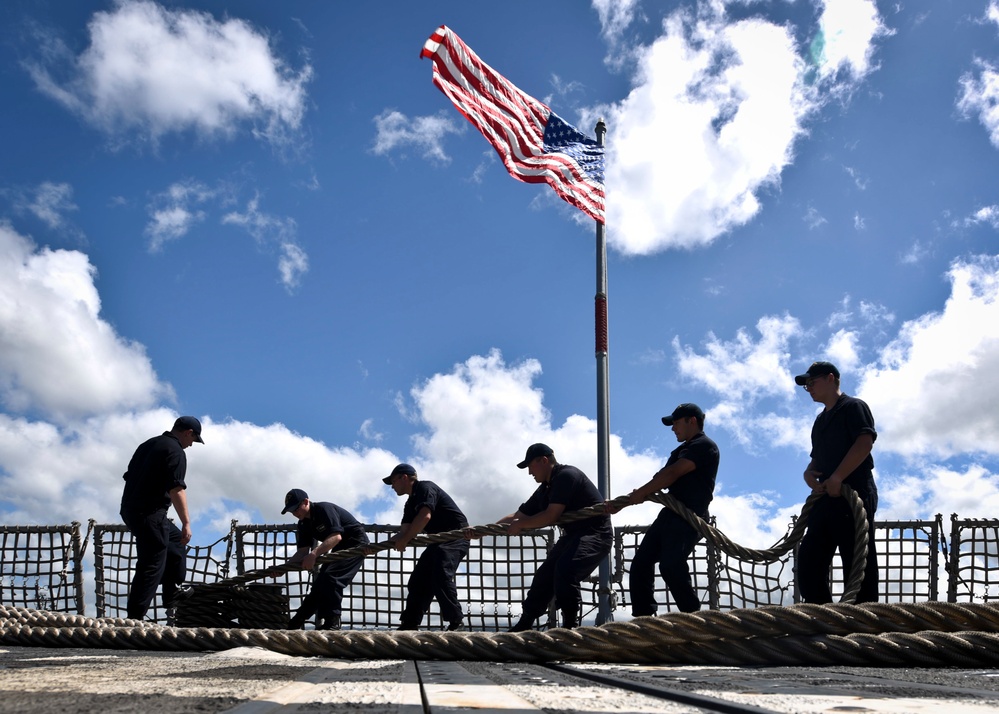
(562, 489)
(689, 474)
(323, 528)
(429, 509)
(153, 481)
(842, 440)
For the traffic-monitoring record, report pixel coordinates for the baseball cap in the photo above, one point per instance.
(533, 452)
(687, 409)
(817, 369)
(189, 422)
(400, 469)
(293, 499)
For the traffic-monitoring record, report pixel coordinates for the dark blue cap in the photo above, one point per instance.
(189, 422)
(293, 499)
(400, 469)
(687, 409)
(533, 452)
(818, 369)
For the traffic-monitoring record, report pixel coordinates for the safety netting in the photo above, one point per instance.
(42, 569)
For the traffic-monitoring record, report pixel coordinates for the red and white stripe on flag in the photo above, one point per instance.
(513, 122)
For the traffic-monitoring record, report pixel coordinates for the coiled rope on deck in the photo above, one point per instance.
(872, 634)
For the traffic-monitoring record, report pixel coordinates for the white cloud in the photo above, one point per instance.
(917, 252)
(73, 473)
(368, 431)
(172, 213)
(51, 203)
(292, 265)
(711, 121)
(715, 111)
(841, 350)
(562, 90)
(488, 159)
(935, 386)
(875, 314)
(845, 41)
(615, 17)
(972, 492)
(985, 214)
(751, 520)
(861, 182)
(650, 356)
(752, 374)
(842, 316)
(262, 226)
(743, 372)
(813, 219)
(273, 230)
(979, 95)
(156, 71)
(57, 356)
(744, 368)
(395, 131)
(176, 211)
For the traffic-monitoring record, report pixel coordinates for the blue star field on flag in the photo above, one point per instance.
(562, 137)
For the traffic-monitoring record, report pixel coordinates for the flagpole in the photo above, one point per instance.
(603, 399)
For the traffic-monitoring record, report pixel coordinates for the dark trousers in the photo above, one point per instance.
(326, 594)
(433, 577)
(830, 527)
(571, 559)
(160, 558)
(669, 542)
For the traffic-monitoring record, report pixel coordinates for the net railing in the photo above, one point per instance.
(908, 557)
(114, 560)
(492, 580)
(972, 573)
(41, 568)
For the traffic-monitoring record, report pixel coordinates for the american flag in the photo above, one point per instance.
(535, 144)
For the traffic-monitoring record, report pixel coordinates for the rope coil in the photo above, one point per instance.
(926, 634)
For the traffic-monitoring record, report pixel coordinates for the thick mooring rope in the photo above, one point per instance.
(925, 635)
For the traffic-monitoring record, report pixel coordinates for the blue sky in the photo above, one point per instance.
(264, 214)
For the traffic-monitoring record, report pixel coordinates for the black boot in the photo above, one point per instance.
(456, 626)
(570, 619)
(523, 625)
(298, 621)
(330, 623)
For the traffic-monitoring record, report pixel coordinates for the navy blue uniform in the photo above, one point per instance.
(670, 540)
(435, 571)
(327, 519)
(830, 522)
(583, 545)
(157, 467)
